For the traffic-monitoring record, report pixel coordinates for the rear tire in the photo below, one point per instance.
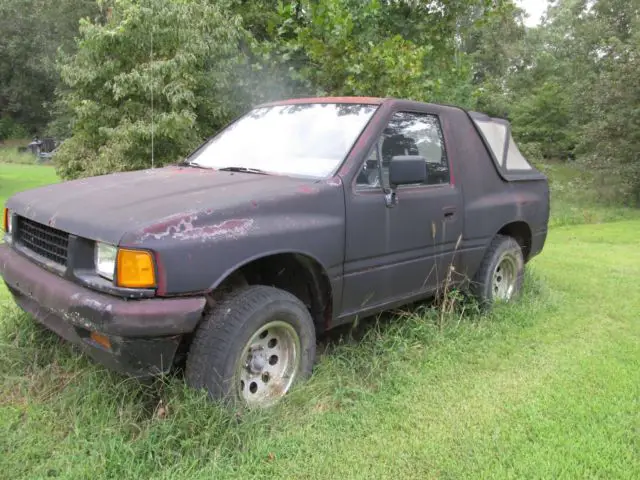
(501, 273)
(254, 345)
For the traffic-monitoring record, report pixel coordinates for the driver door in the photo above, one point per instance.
(396, 252)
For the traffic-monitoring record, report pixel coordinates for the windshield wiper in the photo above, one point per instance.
(194, 165)
(243, 170)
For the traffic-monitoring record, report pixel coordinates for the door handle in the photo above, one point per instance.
(449, 212)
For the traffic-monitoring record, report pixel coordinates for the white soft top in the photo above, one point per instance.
(497, 135)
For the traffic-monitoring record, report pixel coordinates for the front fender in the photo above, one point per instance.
(263, 256)
(197, 251)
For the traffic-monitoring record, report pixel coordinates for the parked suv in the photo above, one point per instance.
(299, 216)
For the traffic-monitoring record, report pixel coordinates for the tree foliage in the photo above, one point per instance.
(568, 86)
(611, 137)
(157, 73)
(31, 33)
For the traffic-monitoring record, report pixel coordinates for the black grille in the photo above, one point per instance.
(46, 241)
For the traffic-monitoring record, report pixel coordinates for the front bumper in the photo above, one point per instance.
(144, 334)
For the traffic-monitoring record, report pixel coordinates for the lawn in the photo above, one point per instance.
(17, 177)
(546, 388)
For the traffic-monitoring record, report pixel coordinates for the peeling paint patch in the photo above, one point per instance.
(228, 229)
(184, 229)
(180, 221)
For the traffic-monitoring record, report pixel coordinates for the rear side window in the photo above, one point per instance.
(497, 134)
(515, 159)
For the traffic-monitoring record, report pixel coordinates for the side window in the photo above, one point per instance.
(369, 176)
(407, 134)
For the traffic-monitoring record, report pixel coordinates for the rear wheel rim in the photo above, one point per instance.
(505, 278)
(268, 365)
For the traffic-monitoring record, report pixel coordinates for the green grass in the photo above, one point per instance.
(545, 388)
(578, 198)
(17, 177)
(12, 155)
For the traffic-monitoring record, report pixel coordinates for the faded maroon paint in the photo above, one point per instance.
(365, 142)
(307, 189)
(447, 134)
(162, 275)
(170, 223)
(144, 334)
(96, 311)
(178, 170)
(350, 100)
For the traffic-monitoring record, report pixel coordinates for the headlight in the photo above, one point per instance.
(106, 260)
(135, 268)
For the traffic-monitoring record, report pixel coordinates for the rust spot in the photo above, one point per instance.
(254, 204)
(307, 189)
(294, 101)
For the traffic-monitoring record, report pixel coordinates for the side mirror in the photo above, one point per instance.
(406, 170)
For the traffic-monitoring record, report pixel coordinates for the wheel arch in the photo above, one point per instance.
(296, 272)
(520, 231)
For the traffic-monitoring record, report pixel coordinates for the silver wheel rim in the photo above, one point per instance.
(268, 365)
(505, 277)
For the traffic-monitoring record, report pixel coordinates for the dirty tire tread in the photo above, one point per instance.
(221, 333)
(482, 279)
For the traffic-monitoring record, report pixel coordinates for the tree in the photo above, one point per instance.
(161, 73)
(32, 30)
(611, 136)
(398, 48)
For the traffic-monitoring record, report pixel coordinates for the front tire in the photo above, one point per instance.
(501, 273)
(254, 345)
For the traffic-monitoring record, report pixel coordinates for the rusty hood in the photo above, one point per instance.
(106, 207)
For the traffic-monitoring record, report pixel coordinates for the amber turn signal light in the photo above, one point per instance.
(135, 269)
(5, 220)
(101, 340)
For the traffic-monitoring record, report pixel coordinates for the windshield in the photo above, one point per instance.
(309, 140)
